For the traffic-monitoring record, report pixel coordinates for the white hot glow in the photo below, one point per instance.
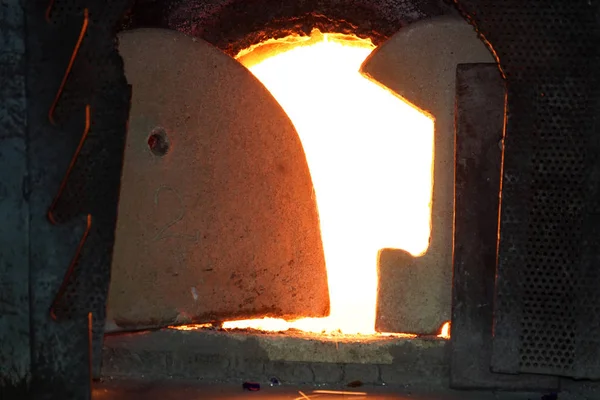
(370, 155)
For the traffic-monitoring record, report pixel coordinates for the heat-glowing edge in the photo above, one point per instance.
(370, 154)
(444, 332)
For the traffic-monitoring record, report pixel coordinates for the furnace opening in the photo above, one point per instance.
(370, 156)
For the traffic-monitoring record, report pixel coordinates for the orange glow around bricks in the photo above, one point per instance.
(370, 155)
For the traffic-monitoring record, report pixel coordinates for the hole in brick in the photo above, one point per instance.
(158, 142)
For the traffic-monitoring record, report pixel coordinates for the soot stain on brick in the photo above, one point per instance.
(233, 25)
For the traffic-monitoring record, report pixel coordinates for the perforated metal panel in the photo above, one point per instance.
(547, 300)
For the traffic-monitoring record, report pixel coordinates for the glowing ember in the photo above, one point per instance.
(370, 155)
(445, 331)
(192, 327)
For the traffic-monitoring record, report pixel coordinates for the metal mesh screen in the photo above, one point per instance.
(547, 304)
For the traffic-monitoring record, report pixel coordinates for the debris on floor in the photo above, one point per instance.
(275, 382)
(251, 386)
(354, 384)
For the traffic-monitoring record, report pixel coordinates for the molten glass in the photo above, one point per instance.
(370, 155)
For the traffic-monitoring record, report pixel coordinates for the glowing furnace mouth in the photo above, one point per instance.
(370, 154)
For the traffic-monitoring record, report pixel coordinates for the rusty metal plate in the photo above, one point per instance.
(217, 218)
(480, 111)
